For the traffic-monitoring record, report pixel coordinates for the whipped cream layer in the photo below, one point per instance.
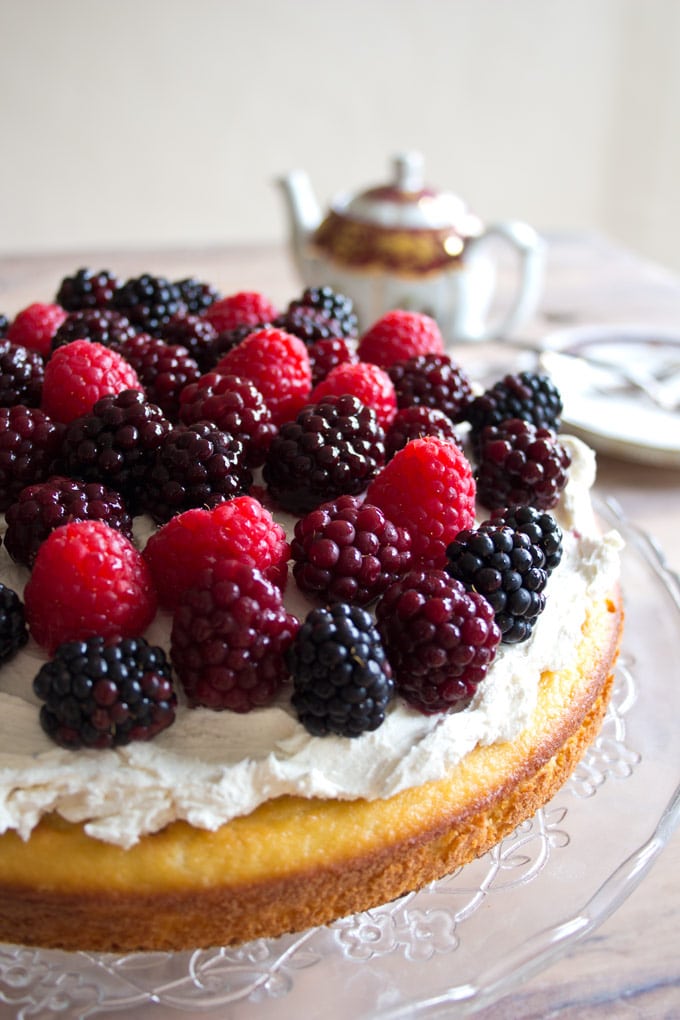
(209, 767)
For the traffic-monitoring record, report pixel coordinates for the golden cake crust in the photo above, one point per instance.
(294, 863)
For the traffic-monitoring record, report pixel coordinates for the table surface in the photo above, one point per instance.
(630, 966)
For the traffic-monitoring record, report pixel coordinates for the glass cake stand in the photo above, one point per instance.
(463, 942)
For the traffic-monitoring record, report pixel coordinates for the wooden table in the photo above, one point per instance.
(630, 966)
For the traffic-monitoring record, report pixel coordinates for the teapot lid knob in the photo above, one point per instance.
(408, 171)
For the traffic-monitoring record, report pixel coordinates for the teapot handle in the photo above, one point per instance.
(530, 249)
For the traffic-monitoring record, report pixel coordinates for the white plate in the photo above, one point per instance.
(612, 413)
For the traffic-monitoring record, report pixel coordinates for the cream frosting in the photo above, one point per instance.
(209, 767)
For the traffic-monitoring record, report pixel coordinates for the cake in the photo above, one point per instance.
(229, 826)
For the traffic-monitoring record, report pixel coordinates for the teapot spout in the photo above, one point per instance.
(304, 214)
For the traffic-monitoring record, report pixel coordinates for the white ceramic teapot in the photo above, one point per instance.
(404, 245)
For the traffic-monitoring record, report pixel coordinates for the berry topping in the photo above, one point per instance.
(29, 446)
(326, 354)
(433, 380)
(105, 692)
(196, 334)
(336, 308)
(13, 632)
(21, 375)
(102, 325)
(87, 289)
(439, 638)
(519, 463)
(332, 448)
(369, 383)
(415, 422)
(163, 370)
(398, 335)
(348, 551)
(197, 295)
(34, 327)
(527, 395)
(78, 374)
(541, 528)
(342, 679)
(88, 579)
(246, 308)
(148, 302)
(427, 488)
(45, 506)
(229, 637)
(234, 405)
(240, 529)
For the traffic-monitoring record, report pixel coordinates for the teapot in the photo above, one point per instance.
(405, 245)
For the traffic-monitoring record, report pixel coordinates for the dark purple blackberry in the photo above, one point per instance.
(348, 551)
(21, 375)
(197, 295)
(197, 334)
(333, 448)
(519, 463)
(196, 465)
(433, 380)
(333, 305)
(149, 302)
(13, 630)
(45, 506)
(527, 395)
(440, 639)
(506, 568)
(541, 528)
(4, 325)
(101, 325)
(163, 370)
(416, 421)
(309, 324)
(326, 354)
(341, 677)
(105, 693)
(87, 289)
(115, 443)
(234, 405)
(30, 443)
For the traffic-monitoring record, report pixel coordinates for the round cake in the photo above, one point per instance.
(226, 826)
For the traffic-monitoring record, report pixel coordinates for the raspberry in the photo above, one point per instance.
(229, 637)
(88, 579)
(193, 466)
(504, 567)
(342, 679)
(79, 374)
(433, 380)
(162, 369)
(34, 327)
(196, 334)
(234, 405)
(335, 307)
(326, 354)
(368, 382)
(102, 325)
(87, 289)
(230, 338)
(115, 443)
(527, 395)
(105, 692)
(21, 375)
(30, 443)
(148, 302)
(399, 335)
(13, 632)
(45, 506)
(278, 365)
(541, 528)
(519, 463)
(414, 422)
(197, 295)
(348, 551)
(246, 308)
(240, 529)
(439, 638)
(429, 489)
(333, 448)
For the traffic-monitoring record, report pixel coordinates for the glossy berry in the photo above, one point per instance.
(21, 375)
(439, 638)
(35, 326)
(197, 295)
(369, 383)
(162, 369)
(540, 527)
(245, 308)
(309, 324)
(105, 692)
(87, 288)
(527, 395)
(197, 335)
(427, 488)
(417, 421)
(230, 633)
(102, 325)
(326, 354)
(342, 679)
(333, 448)
(79, 374)
(148, 301)
(398, 335)
(519, 463)
(13, 632)
(234, 405)
(4, 325)
(30, 443)
(348, 551)
(432, 380)
(335, 307)
(88, 579)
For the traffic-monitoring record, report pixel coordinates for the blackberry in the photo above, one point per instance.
(101, 325)
(22, 372)
(348, 551)
(234, 405)
(333, 305)
(163, 370)
(506, 568)
(87, 289)
(4, 325)
(105, 693)
(149, 302)
(13, 630)
(520, 463)
(333, 448)
(197, 295)
(433, 380)
(342, 680)
(30, 443)
(45, 506)
(416, 421)
(527, 395)
(115, 443)
(541, 528)
(309, 324)
(197, 335)
(440, 639)
(195, 465)
(326, 354)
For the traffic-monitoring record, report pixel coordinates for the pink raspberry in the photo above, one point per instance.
(78, 374)
(371, 384)
(246, 308)
(34, 327)
(399, 335)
